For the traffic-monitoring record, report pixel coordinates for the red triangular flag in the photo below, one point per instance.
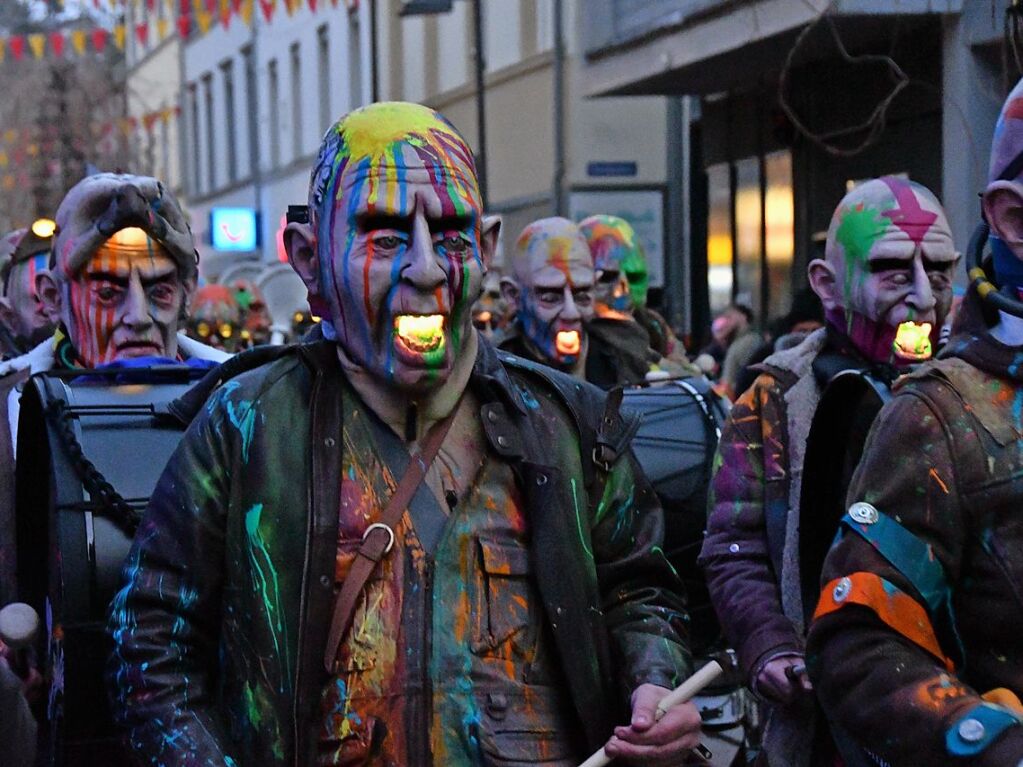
(312, 5)
(57, 43)
(150, 5)
(99, 39)
(184, 25)
(142, 33)
(268, 7)
(17, 46)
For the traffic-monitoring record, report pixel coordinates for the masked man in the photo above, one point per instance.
(550, 289)
(916, 640)
(889, 259)
(622, 281)
(508, 616)
(22, 314)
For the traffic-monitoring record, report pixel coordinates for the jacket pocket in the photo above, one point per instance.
(526, 735)
(505, 622)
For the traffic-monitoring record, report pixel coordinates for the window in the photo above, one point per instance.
(748, 261)
(296, 102)
(227, 70)
(211, 155)
(251, 107)
(354, 62)
(274, 87)
(193, 112)
(323, 65)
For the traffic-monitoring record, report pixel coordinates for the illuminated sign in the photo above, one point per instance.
(234, 229)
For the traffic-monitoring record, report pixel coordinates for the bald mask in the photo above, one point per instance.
(622, 280)
(553, 272)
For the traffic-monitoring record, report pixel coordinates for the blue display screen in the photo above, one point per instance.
(234, 229)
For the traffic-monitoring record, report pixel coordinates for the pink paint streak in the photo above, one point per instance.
(908, 215)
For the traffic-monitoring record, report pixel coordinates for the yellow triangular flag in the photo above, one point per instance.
(78, 39)
(205, 21)
(38, 44)
(119, 34)
(246, 12)
(3, 47)
(3, 159)
(161, 28)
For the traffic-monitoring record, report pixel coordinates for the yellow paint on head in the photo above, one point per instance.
(373, 130)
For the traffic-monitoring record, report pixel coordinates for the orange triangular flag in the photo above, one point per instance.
(205, 21)
(38, 44)
(245, 11)
(78, 40)
(119, 33)
(3, 48)
(3, 159)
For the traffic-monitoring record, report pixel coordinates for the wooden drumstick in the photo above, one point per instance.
(681, 694)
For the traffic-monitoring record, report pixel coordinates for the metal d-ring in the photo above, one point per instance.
(387, 529)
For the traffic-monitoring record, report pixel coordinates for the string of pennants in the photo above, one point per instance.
(189, 17)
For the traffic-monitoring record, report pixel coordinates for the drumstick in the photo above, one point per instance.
(681, 694)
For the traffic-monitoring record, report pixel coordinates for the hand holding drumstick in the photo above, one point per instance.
(663, 725)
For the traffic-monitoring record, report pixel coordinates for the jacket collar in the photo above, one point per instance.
(489, 374)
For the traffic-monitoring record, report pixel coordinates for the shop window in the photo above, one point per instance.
(719, 238)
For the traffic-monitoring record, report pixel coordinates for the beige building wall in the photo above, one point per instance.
(429, 59)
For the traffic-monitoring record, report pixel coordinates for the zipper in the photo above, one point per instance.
(296, 720)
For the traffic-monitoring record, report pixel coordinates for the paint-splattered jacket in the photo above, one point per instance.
(219, 661)
(922, 607)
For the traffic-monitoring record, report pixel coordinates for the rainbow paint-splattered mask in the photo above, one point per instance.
(891, 251)
(622, 276)
(398, 225)
(554, 274)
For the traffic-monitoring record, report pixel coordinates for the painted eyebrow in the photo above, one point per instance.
(449, 223)
(901, 264)
(120, 279)
(369, 222)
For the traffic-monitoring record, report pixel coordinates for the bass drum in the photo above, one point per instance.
(90, 451)
(680, 424)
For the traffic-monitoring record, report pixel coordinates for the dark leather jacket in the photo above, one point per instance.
(221, 625)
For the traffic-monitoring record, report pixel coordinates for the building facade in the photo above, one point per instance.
(548, 150)
(256, 100)
(794, 101)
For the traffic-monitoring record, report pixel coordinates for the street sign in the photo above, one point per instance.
(609, 169)
(234, 229)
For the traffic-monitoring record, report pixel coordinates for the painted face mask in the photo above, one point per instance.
(892, 251)
(621, 271)
(554, 270)
(125, 302)
(399, 239)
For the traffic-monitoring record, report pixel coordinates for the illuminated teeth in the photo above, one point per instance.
(420, 333)
(913, 341)
(568, 342)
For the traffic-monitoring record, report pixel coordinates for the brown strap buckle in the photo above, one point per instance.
(387, 529)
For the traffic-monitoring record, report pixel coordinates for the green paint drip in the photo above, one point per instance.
(861, 227)
(578, 519)
(264, 577)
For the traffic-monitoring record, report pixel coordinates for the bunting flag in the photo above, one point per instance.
(142, 34)
(225, 13)
(245, 11)
(37, 43)
(3, 49)
(268, 7)
(57, 43)
(78, 38)
(161, 29)
(17, 46)
(119, 36)
(99, 39)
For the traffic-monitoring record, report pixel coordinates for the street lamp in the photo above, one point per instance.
(426, 7)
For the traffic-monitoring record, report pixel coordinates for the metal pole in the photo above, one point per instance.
(374, 66)
(558, 183)
(677, 301)
(481, 108)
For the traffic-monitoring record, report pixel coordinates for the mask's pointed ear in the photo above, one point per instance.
(490, 231)
(48, 292)
(300, 245)
(824, 283)
(1003, 209)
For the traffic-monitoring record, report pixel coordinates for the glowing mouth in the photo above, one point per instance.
(568, 342)
(420, 333)
(913, 341)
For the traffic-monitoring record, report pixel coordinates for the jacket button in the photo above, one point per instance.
(492, 416)
(324, 581)
(502, 441)
(734, 548)
(329, 442)
(497, 705)
(842, 590)
(541, 479)
(864, 513)
(971, 730)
